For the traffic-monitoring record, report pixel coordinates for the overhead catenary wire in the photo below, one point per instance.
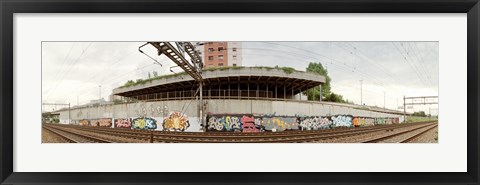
(334, 65)
(408, 62)
(63, 64)
(71, 66)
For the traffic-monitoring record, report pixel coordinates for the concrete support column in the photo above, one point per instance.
(320, 96)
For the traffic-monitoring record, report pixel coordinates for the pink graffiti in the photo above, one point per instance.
(249, 127)
(123, 123)
(246, 119)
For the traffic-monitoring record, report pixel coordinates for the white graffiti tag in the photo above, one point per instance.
(342, 121)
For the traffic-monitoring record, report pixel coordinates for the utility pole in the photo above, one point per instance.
(100, 92)
(404, 110)
(361, 95)
(384, 99)
(320, 94)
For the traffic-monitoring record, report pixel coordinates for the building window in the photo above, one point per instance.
(234, 49)
(234, 65)
(220, 49)
(234, 57)
(210, 49)
(210, 57)
(220, 57)
(220, 64)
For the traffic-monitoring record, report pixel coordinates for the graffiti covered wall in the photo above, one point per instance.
(272, 123)
(225, 123)
(104, 122)
(363, 122)
(144, 123)
(176, 121)
(315, 123)
(342, 121)
(84, 122)
(123, 123)
(278, 124)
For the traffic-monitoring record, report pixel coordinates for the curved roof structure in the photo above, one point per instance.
(232, 82)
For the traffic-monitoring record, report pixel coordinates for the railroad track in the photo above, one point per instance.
(279, 138)
(73, 137)
(234, 137)
(414, 136)
(403, 136)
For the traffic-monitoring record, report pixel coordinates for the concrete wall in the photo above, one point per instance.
(186, 111)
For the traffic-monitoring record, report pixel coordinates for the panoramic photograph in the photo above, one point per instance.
(240, 92)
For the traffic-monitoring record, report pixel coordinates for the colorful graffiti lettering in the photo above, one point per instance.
(362, 122)
(342, 121)
(379, 121)
(224, 123)
(260, 123)
(356, 121)
(176, 122)
(104, 122)
(144, 123)
(84, 122)
(249, 127)
(315, 123)
(278, 124)
(248, 124)
(123, 123)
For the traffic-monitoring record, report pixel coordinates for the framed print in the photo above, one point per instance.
(177, 92)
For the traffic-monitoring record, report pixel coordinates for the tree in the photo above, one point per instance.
(332, 97)
(313, 93)
(155, 74)
(327, 95)
(421, 114)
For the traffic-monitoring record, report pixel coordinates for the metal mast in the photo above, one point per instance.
(193, 68)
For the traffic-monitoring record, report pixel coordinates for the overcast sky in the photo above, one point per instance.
(72, 70)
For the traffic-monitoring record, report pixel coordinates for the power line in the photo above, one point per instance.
(421, 60)
(63, 65)
(408, 62)
(409, 51)
(376, 64)
(71, 66)
(352, 69)
(116, 78)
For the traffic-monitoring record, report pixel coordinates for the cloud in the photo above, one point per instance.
(71, 69)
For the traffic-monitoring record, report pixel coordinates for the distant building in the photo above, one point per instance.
(219, 54)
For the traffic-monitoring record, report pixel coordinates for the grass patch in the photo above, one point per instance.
(143, 81)
(413, 119)
(129, 83)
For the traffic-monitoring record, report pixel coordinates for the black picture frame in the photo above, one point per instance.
(9, 7)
